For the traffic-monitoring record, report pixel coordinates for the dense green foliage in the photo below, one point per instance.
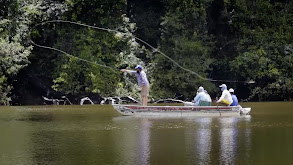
(72, 76)
(186, 40)
(265, 47)
(219, 39)
(14, 47)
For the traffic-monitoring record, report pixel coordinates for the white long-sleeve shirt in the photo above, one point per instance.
(201, 96)
(226, 95)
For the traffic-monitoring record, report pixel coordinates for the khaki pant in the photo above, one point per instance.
(145, 90)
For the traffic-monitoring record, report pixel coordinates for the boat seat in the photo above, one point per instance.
(204, 103)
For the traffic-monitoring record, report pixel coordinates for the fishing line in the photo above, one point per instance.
(69, 55)
(116, 31)
(81, 59)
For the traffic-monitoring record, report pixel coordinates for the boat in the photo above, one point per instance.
(180, 111)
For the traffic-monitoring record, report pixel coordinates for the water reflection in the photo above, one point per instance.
(247, 139)
(228, 140)
(134, 142)
(207, 140)
(144, 141)
(203, 140)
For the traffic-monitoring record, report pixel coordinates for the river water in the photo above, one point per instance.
(99, 135)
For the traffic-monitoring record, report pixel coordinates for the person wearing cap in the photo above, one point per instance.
(142, 81)
(234, 98)
(201, 99)
(226, 97)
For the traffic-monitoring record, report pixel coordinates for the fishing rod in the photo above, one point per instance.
(142, 41)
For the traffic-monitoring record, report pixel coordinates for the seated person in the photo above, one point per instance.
(234, 98)
(226, 97)
(201, 99)
(209, 97)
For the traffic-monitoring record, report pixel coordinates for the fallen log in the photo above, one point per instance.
(169, 101)
(57, 101)
(86, 99)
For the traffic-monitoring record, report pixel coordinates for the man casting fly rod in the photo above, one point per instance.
(142, 82)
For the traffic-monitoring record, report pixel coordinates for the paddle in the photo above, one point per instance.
(219, 109)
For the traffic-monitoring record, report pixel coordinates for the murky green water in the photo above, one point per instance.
(99, 135)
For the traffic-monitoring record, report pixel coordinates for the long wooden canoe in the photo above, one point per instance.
(180, 111)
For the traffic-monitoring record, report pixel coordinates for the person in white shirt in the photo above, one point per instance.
(201, 99)
(226, 97)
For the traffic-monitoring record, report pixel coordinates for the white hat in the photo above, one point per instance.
(223, 85)
(200, 89)
(231, 90)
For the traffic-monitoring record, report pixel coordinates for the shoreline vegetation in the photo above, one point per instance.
(235, 41)
(251, 104)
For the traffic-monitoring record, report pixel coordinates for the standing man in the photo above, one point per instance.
(142, 82)
(234, 98)
(226, 97)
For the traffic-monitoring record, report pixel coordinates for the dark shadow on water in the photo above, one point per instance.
(36, 118)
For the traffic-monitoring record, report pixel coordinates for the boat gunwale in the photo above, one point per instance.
(176, 108)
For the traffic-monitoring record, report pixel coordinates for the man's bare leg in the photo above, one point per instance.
(144, 100)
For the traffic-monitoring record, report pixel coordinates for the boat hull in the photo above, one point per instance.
(177, 111)
(243, 111)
